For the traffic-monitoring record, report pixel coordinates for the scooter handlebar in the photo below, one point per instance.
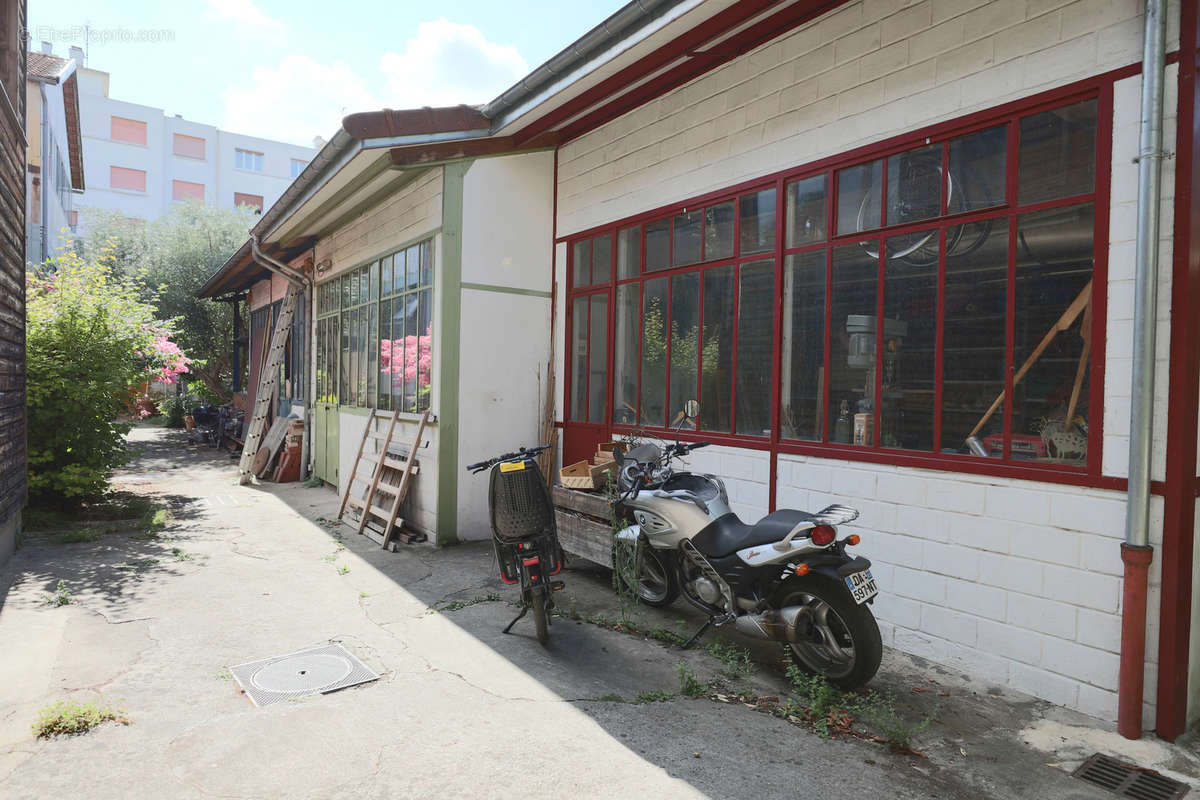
(524, 452)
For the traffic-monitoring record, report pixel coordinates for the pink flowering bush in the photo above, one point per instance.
(173, 362)
(409, 363)
(90, 336)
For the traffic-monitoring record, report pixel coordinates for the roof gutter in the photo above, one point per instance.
(278, 267)
(627, 28)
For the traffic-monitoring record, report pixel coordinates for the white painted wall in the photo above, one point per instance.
(1013, 582)
(413, 213)
(57, 223)
(507, 243)
(215, 171)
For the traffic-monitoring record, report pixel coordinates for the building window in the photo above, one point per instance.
(928, 302)
(255, 201)
(186, 190)
(374, 333)
(248, 160)
(298, 166)
(132, 180)
(188, 146)
(131, 131)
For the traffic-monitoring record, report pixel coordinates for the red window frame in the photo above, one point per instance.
(1099, 88)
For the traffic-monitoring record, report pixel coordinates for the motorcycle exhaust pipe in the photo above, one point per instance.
(776, 624)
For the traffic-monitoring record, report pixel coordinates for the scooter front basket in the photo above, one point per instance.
(520, 505)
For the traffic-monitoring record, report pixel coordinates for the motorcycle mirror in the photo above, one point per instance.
(691, 409)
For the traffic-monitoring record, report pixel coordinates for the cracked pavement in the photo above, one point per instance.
(461, 710)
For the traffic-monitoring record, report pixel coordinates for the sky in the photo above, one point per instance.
(291, 69)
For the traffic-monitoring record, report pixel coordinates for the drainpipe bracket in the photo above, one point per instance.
(1160, 154)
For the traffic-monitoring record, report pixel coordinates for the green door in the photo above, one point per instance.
(325, 410)
(325, 443)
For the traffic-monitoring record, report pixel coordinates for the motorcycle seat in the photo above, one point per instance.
(728, 534)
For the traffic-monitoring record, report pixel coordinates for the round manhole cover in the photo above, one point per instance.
(303, 673)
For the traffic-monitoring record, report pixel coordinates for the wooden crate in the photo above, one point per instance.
(589, 503)
(582, 475)
(584, 537)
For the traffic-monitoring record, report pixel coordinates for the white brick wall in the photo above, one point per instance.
(858, 75)
(746, 474)
(1118, 355)
(1031, 602)
(1013, 582)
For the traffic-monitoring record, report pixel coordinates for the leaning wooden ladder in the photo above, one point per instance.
(268, 378)
(381, 461)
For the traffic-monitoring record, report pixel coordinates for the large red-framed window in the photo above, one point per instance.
(977, 244)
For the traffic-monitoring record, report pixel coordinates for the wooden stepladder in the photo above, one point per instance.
(268, 379)
(390, 475)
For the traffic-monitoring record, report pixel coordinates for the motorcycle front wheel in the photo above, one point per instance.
(839, 639)
(656, 584)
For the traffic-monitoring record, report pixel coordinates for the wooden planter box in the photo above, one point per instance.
(583, 527)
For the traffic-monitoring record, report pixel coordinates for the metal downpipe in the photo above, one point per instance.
(274, 265)
(1136, 552)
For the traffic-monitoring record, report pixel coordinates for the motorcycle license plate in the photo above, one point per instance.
(862, 586)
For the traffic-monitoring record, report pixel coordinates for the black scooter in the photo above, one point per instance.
(524, 533)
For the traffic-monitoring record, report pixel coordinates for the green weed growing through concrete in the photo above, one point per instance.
(652, 696)
(689, 684)
(70, 718)
(455, 605)
(61, 597)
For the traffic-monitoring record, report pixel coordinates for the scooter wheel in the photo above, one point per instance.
(541, 614)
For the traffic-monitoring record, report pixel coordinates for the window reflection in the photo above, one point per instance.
(685, 339)
(908, 359)
(914, 185)
(687, 237)
(625, 354)
(1053, 293)
(803, 376)
(806, 211)
(715, 400)
(1057, 153)
(654, 352)
(852, 344)
(973, 356)
(858, 198)
(757, 222)
(756, 292)
(718, 231)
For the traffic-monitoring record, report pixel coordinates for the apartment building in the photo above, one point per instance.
(140, 160)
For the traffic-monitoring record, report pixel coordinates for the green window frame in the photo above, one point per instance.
(374, 333)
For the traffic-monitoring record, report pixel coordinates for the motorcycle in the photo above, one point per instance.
(787, 578)
(524, 533)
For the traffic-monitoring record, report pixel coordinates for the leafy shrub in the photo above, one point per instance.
(89, 337)
(174, 409)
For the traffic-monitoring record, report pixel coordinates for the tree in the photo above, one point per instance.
(90, 337)
(177, 253)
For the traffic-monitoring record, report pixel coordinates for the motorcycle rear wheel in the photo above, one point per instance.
(844, 644)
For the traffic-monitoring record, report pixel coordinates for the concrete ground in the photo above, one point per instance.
(243, 573)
